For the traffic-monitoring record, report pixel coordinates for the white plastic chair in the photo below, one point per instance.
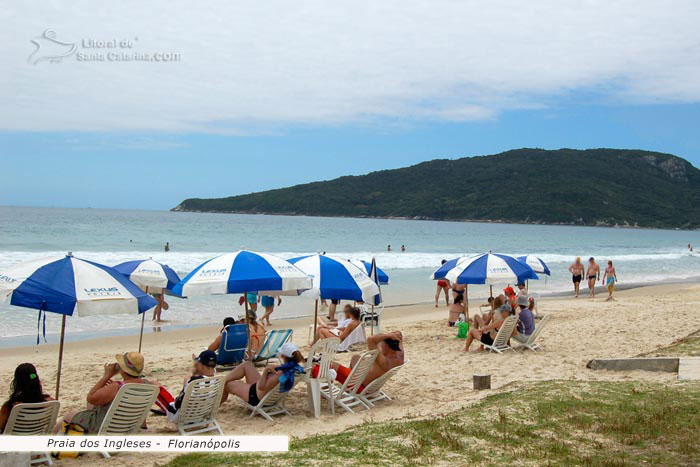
(373, 393)
(272, 403)
(128, 410)
(33, 420)
(536, 297)
(346, 396)
(500, 343)
(367, 317)
(326, 350)
(531, 341)
(200, 405)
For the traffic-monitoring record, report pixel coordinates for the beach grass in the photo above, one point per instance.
(687, 347)
(546, 423)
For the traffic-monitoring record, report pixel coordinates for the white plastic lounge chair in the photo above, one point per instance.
(197, 413)
(274, 341)
(366, 316)
(373, 393)
(272, 403)
(531, 341)
(33, 420)
(536, 296)
(500, 343)
(326, 350)
(128, 410)
(357, 336)
(346, 396)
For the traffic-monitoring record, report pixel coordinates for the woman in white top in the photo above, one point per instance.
(344, 328)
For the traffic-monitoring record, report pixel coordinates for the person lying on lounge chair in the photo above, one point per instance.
(203, 366)
(344, 328)
(24, 389)
(391, 354)
(487, 333)
(481, 320)
(228, 321)
(245, 381)
(129, 366)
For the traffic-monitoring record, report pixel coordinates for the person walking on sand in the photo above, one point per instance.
(167, 247)
(609, 279)
(268, 303)
(592, 275)
(576, 270)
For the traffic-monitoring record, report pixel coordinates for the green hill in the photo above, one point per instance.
(566, 186)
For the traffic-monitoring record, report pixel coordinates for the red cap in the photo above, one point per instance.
(509, 290)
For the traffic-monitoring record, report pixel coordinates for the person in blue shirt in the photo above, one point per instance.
(526, 320)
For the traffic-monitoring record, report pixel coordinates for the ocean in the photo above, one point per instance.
(113, 236)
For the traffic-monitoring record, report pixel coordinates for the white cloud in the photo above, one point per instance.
(262, 65)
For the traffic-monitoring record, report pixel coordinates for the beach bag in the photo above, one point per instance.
(462, 330)
(69, 429)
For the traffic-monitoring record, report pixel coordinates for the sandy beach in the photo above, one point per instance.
(436, 380)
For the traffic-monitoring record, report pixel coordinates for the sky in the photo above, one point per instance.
(139, 106)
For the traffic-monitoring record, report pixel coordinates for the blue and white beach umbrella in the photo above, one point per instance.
(383, 278)
(151, 276)
(149, 273)
(536, 264)
(66, 285)
(243, 271)
(489, 268)
(337, 279)
(442, 271)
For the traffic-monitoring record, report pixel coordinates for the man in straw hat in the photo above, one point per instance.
(129, 366)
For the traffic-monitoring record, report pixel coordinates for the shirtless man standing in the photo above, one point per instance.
(576, 270)
(592, 275)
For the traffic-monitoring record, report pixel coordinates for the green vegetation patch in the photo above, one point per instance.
(548, 423)
(687, 347)
(566, 186)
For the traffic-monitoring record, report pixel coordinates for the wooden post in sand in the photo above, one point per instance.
(482, 382)
(60, 355)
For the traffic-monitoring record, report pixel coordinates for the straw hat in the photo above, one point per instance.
(130, 363)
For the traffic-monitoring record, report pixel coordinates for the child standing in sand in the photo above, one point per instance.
(609, 279)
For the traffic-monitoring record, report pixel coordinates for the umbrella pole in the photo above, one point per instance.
(372, 325)
(247, 325)
(315, 316)
(466, 301)
(491, 290)
(143, 318)
(60, 355)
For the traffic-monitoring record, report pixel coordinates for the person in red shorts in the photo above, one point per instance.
(391, 354)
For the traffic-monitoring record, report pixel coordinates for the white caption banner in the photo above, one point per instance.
(145, 443)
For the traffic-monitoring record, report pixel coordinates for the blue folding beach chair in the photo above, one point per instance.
(234, 341)
(274, 341)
